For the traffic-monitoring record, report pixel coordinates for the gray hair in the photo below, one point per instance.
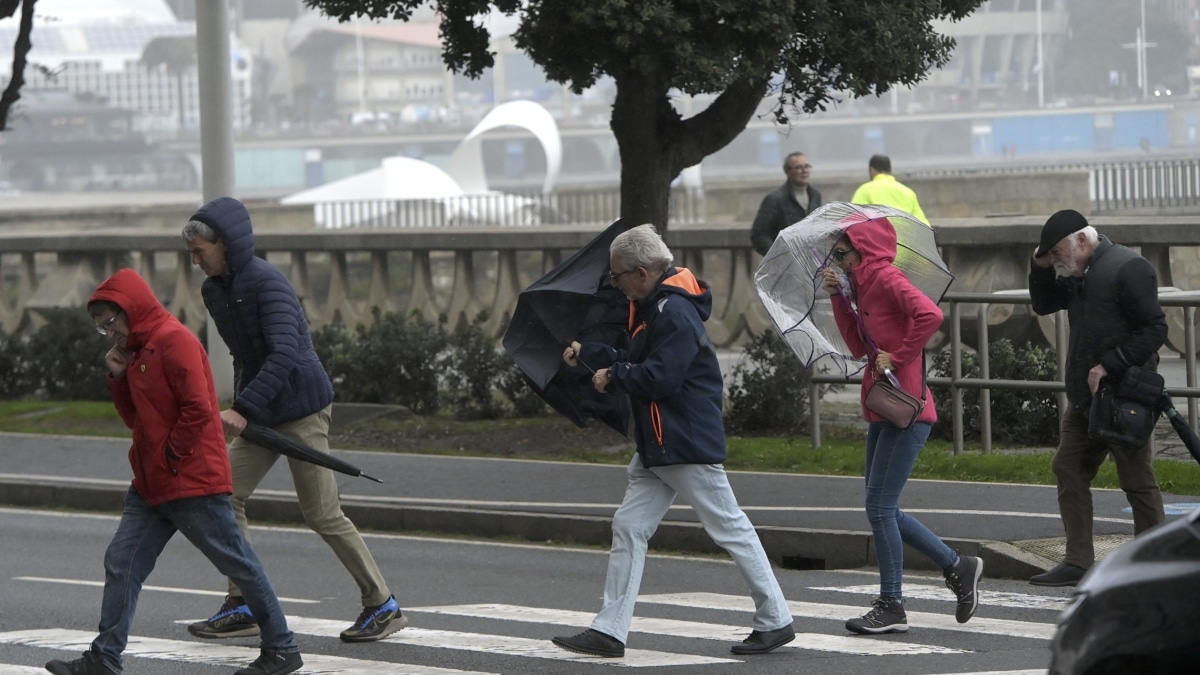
(641, 247)
(195, 228)
(1090, 235)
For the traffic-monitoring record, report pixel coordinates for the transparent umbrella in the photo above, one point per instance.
(789, 278)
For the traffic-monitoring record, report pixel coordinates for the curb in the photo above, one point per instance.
(790, 548)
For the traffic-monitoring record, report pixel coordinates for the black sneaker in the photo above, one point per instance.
(886, 616)
(375, 623)
(88, 664)
(592, 643)
(233, 620)
(963, 579)
(763, 642)
(273, 663)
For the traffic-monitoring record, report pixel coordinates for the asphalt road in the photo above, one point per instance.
(485, 607)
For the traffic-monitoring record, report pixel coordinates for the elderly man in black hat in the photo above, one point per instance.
(1111, 297)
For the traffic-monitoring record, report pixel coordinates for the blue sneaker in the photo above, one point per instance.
(375, 623)
(233, 620)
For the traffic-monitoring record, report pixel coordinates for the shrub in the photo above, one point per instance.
(1019, 417)
(473, 369)
(61, 360)
(393, 360)
(519, 392)
(770, 390)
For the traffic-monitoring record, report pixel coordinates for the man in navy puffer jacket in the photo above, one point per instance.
(673, 380)
(279, 383)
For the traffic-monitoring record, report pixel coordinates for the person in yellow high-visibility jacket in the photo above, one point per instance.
(883, 188)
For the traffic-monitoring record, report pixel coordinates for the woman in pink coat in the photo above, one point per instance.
(898, 321)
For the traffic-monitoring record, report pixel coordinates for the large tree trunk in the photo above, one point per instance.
(641, 122)
(656, 143)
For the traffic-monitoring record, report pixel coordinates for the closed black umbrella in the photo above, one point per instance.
(273, 440)
(573, 302)
(1190, 440)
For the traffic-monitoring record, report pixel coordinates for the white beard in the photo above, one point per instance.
(1063, 270)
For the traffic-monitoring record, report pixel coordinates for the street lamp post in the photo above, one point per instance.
(1040, 63)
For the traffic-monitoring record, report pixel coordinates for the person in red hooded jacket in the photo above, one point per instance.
(898, 321)
(162, 386)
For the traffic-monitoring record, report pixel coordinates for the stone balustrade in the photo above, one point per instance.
(458, 272)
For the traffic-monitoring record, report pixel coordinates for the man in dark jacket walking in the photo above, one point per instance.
(162, 387)
(1111, 297)
(279, 383)
(786, 205)
(671, 375)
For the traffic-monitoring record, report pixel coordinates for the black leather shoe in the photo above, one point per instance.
(761, 643)
(1064, 574)
(592, 643)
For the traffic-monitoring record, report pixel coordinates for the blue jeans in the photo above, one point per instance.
(647, 498)
(142, 535)
(891, 454)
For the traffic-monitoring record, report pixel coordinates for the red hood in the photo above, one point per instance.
(875, 241)
(133, 295)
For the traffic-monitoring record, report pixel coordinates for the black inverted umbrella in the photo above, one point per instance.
(572, 302)
(1189, 438)
(273, 440)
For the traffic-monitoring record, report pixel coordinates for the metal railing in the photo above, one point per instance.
(956, 383)
(505, 209)
(1112, 185)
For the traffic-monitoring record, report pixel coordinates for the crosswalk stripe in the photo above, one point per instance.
(812, 610)
(148, 587)
(504, 644)
(689, 629)
(217, 654)
(1036, 671)
(13, 669)
(988, 598)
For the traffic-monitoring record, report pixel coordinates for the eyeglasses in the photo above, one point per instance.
(613, 276)
(839, 254)
(103, 328)
(798, 167)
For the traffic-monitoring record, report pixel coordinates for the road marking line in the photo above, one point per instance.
(505, 644)
(162, 589)
(1036, 671)
(208, 653)
(812, 610)
(688, 629)
(13, 669)
(989, 598)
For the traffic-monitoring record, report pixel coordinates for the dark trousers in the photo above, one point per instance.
(1076, 463)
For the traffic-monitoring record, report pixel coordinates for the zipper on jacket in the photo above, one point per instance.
(656, 425)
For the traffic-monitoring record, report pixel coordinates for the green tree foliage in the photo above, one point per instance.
(177, 55)
(808, 53)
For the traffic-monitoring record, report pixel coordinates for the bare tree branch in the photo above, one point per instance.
(12, 93)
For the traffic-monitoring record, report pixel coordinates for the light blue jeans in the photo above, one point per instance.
(891, 454)
(647, 498)
(142, 535)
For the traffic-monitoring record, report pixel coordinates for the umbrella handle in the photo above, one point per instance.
(891, 377)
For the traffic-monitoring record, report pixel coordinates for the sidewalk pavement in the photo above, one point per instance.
(805, 522)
